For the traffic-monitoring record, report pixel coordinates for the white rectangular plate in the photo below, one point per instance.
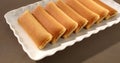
(28, 45)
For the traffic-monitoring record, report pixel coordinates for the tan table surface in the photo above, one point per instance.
(103, 47)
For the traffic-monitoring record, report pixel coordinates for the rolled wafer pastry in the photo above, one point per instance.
(73, 14)
(62, 18)
(49, 23)
(90, 4)
(112, 12)
(38, 34)
(83, 11)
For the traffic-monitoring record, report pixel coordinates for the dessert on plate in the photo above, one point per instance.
(73, 14)
(62, 18)
(112, 12)
(90, 4)
(49, 23)
(35, 30)
(83, 11)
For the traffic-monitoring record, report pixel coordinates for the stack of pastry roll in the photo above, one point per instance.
(74, 15)
(35, 30)
(50, 24)
(61, 18)
(112, 12)
(83, 11)
(90, 4)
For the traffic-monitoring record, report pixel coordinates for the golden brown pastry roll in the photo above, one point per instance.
(90, 4)
(62, 18)
(73, 14)
(49, 23)
(83, 11)
(112, 12)
(39, 35)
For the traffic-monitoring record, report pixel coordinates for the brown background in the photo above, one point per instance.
(103, 47)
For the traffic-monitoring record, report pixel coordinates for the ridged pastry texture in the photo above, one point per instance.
(83, 11)
(112, 12)
(73, 14)
(62, 18)
(90, 4)
(49, 23)
(36, 31)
